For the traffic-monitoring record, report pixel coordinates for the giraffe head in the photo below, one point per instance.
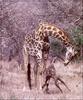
(70, 53)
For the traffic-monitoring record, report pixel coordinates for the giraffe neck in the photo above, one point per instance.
(46, 30)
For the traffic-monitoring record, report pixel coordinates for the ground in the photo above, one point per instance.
(21, 17)
(13, 83)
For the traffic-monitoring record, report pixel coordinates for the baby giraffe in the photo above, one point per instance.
(49, 73)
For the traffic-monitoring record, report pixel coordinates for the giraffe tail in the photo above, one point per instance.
(29, 75)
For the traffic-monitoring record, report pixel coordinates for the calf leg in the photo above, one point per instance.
(56, 83)
(58, 86)
(63, 83)
(46, 84)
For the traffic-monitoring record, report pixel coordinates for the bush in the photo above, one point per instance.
(57, 48)
(78, 39)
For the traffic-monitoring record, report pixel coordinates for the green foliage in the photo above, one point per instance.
(56, 47)
(78, 36)
(78, 39)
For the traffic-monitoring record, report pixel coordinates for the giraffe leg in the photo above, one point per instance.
(29, 72)
(58, 87)
(56, 80)
(39, 69)
(47, 89)
(45, 57)
(35, 76)
(39, 77)
(46, 84)
(29, 75)
(25, 57)
(63, 83)
(26, 65)
(35, 72)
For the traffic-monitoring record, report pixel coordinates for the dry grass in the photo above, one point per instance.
(13, 83)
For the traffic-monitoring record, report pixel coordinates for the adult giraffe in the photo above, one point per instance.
(38, 44)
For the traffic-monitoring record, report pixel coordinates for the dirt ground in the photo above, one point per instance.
(13, 83)
(21, 17)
